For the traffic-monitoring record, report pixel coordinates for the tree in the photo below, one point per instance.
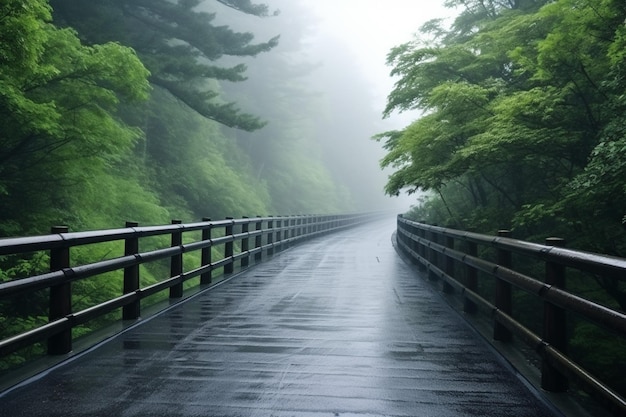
(178, 44)
(195, 169)
(248, 7)
(57, 104)
(517, 97)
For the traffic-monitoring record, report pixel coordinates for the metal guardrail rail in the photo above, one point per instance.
(439, 250)
(243, 240)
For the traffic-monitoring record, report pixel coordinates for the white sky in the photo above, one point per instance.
(371, 28)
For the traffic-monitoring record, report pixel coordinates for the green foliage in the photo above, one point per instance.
(23, 40)
(600, 352)
(15, 325)
(178, 44)
(26, 312)
(197, 171)
(57, 113)
(245, 6)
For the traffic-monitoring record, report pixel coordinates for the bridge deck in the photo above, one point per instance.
(339, 326)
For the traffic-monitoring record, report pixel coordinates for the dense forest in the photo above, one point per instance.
(523, 127)
(134, 110)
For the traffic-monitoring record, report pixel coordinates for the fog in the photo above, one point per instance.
(330, 68)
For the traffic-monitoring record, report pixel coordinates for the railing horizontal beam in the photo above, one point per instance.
(604, 316)
(30, 337)
(584, 261)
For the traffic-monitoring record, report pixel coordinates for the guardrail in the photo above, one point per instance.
(244, 240)
(453, 256)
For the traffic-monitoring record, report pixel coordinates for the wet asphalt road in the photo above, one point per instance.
(339, 326)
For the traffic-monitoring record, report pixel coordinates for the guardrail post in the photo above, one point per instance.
(60, 298)
(308, 220)
(176, 262)
(406, 243)
(270, 237)
(292, 229)
(412, 242)
(131, 311)
(471, 279)
(279, 224)
(417, 245)
(258, 240)
(449, 265)
(503, 292)
(432, 255)
(228, 247)
(307, 227)
(422, 250)
(206, 278)
(245, 243)
(554, 324)
(298, 229)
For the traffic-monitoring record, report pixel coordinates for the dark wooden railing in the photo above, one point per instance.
(452, 256)
(242, 241)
